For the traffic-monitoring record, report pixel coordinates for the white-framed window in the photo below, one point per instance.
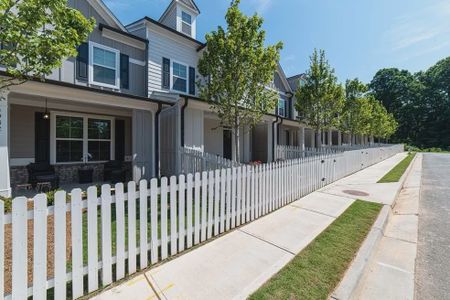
(282, 107)
(104, 65)
(180, 78)
(81, 138)
(186, 23)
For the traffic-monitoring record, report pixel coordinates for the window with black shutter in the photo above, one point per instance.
(124, 71)
(82, 61)
(191, 80)
(166, 74)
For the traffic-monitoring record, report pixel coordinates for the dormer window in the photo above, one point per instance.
(186, 23)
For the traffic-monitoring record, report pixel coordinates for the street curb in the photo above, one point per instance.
(356, 270)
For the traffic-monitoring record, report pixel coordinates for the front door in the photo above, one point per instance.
(227, 144)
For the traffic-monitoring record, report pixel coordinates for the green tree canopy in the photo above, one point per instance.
(36, 35)
(238, 67)
(320, 99)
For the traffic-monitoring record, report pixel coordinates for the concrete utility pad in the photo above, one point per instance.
(326, 204)
(128, 290)
(220, 269)
(377, 192)
(289, 228)
(393, 263)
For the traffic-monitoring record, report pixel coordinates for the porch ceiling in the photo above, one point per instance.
(83, 96)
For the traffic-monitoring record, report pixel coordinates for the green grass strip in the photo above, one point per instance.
(396, 173)
(316, 271)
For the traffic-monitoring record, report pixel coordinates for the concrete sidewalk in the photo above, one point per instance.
(389, 273)
(238, 263)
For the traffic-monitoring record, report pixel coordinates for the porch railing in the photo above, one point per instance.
(193, 161)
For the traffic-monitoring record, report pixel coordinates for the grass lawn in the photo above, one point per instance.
(316, 271)
(396, 173)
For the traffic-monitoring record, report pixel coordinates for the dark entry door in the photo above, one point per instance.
(227, 144)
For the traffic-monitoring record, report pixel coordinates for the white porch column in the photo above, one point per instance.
(301, 138)
(330, 137)
(5, 182)
(339, 138)
(143, 144)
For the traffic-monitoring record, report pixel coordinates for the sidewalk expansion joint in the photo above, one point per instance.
(267, 242)
(401, 240)
(152, 287)
(343, 196)
(313, 211)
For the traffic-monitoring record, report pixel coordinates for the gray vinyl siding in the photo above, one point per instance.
(171, 18)
(67, 73)
(163, 46)
(22, 131)
(22, 126)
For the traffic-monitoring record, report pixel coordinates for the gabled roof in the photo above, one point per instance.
(294, 81)
(284, 78)
(167, 28)
(190, 4)
(106, 14)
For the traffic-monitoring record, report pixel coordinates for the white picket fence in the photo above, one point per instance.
(194, 161)
(284, 152)
(128, 231)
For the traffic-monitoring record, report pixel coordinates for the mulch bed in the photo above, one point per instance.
(50, 251)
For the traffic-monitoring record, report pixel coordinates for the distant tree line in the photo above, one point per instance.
(325, 104)
(420, 103)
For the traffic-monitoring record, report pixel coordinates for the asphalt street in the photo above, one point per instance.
(433, 260)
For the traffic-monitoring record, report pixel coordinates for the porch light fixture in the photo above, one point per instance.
(46, 115)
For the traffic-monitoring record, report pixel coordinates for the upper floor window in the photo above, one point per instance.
(282, 108)
(179, 77)
(186, 23)
(104, 70)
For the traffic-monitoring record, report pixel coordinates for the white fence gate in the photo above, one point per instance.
(86, 241)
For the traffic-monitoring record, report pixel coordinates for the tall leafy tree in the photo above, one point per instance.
(400, 92)
(320, 99)
(238, 67)
(36, 35)
(353, 116)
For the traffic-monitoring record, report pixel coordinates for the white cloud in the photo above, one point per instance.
(431, 24)
(261, 6)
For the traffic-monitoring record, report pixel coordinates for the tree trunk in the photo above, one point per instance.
(318, 139)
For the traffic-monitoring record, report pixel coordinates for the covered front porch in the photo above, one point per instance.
(63, 137)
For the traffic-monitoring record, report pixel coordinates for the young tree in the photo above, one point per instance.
(36, 35)
(321, 99)
(356, 111)
(238, 67)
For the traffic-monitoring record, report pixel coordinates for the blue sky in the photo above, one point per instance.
(359, 36)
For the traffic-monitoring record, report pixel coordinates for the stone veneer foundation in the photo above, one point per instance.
(67, 173)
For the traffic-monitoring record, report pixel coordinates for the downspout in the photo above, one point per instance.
(157, 165)
(183, 108)
(273, 137)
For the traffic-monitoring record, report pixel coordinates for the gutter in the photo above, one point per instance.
(183, 109)
(158, 112)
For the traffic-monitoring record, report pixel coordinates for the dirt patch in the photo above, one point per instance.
(50, 250)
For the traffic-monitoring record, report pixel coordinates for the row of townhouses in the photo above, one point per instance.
(130, 96)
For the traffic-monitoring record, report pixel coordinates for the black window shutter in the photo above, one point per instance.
(120, 140)
(166, 74)
(124, 71)
(41, 138)
(191, 80)
(83, 61)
